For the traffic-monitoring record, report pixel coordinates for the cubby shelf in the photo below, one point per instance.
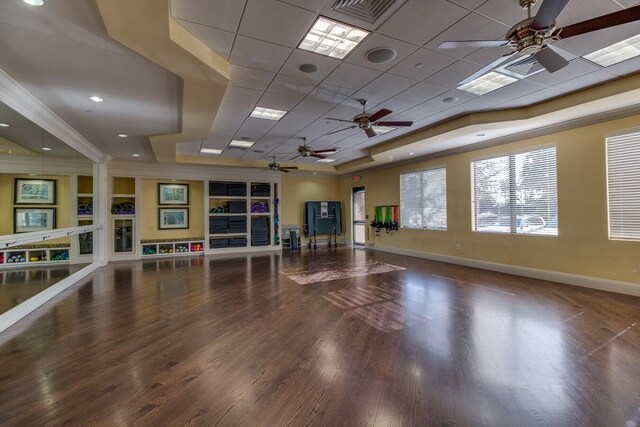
(172, 248)
(33, 256)
(228, 197)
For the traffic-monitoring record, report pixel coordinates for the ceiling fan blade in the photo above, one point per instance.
(328, 150)
(340, 130)
(289, 167)
(339, 120)
(473, 43)
(318, 156)
(401, 123)
(601, 22)
(370, 132)
(547, 14)
(550, 59)
(293, 158)
(283, 170)
(379, 114)
(487, 68)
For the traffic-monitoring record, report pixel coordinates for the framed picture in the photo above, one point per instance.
(35, 192)
(33, 219)
(171, 218)
(173, 194)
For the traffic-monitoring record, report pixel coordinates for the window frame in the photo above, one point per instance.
(508, 154)
(446, 189)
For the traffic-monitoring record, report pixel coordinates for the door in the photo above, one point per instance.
(359, 217)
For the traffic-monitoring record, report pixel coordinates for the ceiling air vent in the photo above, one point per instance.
(521, 68)
(364, 10)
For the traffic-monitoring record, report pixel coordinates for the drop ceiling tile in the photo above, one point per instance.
(285, 85)
(576, 68)
(255, 129)
(397, 106)
(234, 109)
(225, 124)
(276, 22)
(628, 3)
(313, 5)
(431, 61)
(258, 54)
(189, 148)
(220, 14)
(218, 40)
(314, 108)
(435, 16)
(388, 85)
(240, 95)
(216, 141)
(277, 101)
(418, 112)
(577, 11)
(250, 78)
(506, 12)
(374, 100)
(325, 65)
(351, 76)
(329, 93)
(473, 26)
(532, 98)
(421, 92)
(585, 81)
(232, 153)
(492, 99)
(375, 40)
(627, 67)
(453, 74)
(486, 56)
(469, 4)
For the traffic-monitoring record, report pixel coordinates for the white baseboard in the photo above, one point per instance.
(626, 288)
(10, 317)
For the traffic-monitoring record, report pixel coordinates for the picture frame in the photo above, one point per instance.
(27, 220)
(173, 194)
(34, 192)
(173, 218)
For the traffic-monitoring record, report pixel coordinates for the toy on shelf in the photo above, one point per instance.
(259, 207)
(60, 256)
(124, 208)
(149, 250)
(197, 247)
(85, 209)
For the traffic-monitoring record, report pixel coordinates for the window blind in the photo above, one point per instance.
(516, 193)
(423, 199)
(623, 185)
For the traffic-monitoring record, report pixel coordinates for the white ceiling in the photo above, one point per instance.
(61, 53)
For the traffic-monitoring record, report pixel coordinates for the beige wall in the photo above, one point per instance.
(149, 211)
(63, 200)
(299, 189)
(582, 247)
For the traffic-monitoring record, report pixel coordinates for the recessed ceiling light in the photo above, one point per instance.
(123, 135)
(267, 113)
(210, 151)
(315, 173)
(327, 160)
(481, 134)
(34, 2)
(4, 125)
(331, 38)
(241, 144)
(381, 55)
(46, 149)
(411, 153)
(308, 68)
(135, 155)
(618, 52)
(381, 130)
(96, 98)
(487, 83)
(419, 65)
(450, 100)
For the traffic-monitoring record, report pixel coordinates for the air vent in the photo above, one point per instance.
(365, 10)
(521, 68)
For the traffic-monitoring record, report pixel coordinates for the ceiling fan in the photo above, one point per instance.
(530, 36)
(367, 122)
(306, 151)
(275, 166)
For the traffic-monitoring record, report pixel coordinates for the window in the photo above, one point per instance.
(516, 193)
(623, 185)
(423, 199)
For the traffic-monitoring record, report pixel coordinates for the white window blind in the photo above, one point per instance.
(423, 199)
(516, 193)
(623, 184)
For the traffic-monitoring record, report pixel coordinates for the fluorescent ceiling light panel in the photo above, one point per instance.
(241, 144)
(34, 2)
(331, 38)
(381, 130)
(267, 113)
(4, 125)
(327, 160)
(46, 149)
(621, 51)
(210, 151)
(96, 98)
(487, 83)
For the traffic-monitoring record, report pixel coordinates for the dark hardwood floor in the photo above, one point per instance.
(329, 338)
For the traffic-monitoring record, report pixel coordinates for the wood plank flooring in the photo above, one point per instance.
(237, 341)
